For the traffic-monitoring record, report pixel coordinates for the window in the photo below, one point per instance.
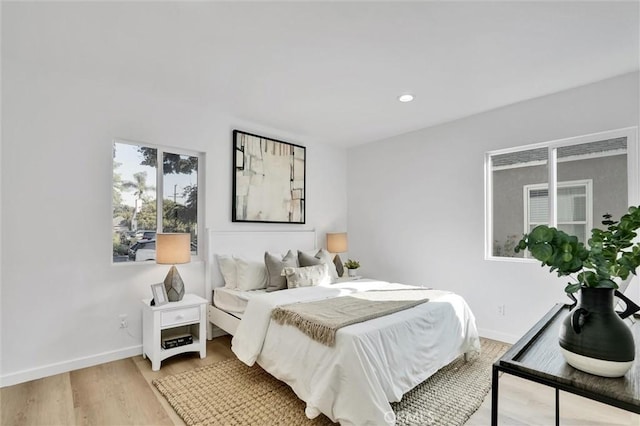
(147, 200)
(574, 202)
(569, 184)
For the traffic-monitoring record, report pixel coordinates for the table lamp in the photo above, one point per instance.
(173, 249)
(337, 243)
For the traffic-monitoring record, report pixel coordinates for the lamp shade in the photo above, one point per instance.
(337, 242)
(172, 249)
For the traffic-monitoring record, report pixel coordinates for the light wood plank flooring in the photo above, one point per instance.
(120, 393)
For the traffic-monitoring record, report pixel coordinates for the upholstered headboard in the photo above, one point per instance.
(251, 245)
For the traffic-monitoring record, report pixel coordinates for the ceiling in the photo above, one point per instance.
(332, 71)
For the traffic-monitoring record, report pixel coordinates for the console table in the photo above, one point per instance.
(537, 357)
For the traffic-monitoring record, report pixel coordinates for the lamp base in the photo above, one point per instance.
(339, 267)
(174, 285)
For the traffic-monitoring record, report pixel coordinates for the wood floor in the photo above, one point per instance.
(120, 393)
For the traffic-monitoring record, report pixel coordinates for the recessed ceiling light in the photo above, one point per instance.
(405, 98)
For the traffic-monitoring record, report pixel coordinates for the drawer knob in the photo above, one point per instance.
(180, 316)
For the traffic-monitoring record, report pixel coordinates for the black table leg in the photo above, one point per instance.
(494, 397)
(557, 407)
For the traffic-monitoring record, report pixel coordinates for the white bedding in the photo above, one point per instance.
(233, 300)
(372, 362)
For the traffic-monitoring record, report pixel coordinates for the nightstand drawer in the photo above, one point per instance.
(179, 316)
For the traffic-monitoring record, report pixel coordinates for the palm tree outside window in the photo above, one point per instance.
(147, 200)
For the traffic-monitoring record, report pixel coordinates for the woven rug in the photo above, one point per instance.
(230, 393)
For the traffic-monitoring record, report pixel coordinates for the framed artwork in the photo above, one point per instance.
(269, 178)
(159, 294)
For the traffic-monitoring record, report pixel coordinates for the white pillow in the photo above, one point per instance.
(328, 259)
(319, 256)
(229, 271)
(306, 258)
(252, 275)
(307, 276)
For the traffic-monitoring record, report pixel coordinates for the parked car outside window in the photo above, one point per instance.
(146, 250)
(145, 235)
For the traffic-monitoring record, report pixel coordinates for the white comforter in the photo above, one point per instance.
(371, 364)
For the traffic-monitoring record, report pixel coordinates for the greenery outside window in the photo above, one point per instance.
(148, 199)
(568, 184)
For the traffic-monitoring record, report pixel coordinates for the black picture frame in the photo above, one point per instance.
(269, 180)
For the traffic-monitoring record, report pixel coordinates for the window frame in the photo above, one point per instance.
(587, 184)
(633, 178)
(160, 150)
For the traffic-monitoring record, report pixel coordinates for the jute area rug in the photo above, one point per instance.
(230, 393)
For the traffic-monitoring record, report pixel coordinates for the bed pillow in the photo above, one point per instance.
(229, 271)
(274, 264)
(252, 275)
(321, 257)
(307, 276)
(307, 259)
(328, 259)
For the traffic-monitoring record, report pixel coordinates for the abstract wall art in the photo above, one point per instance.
(268, 180)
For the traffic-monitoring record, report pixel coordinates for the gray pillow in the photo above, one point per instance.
(305, 259)
(275, 264)
(322, 256)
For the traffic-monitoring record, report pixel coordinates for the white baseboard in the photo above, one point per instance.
(65, 366)
(497, 335)
(89, 361)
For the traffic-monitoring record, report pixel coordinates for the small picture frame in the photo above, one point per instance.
(159, 294)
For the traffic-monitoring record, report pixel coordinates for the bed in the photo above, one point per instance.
(251, 244)
(371, 364)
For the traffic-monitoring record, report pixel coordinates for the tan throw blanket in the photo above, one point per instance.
(321, 319)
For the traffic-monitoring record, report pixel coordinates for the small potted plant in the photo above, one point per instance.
(352, 266)
(593, 338)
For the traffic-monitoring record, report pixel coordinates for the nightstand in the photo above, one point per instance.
(173, 321)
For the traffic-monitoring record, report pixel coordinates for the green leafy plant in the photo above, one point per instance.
(351, 264)
(611, 253)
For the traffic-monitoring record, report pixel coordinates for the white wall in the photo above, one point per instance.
(416, 201)
(61, 295)
(1, 351)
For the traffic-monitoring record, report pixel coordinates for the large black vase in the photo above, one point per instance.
(594, 338)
